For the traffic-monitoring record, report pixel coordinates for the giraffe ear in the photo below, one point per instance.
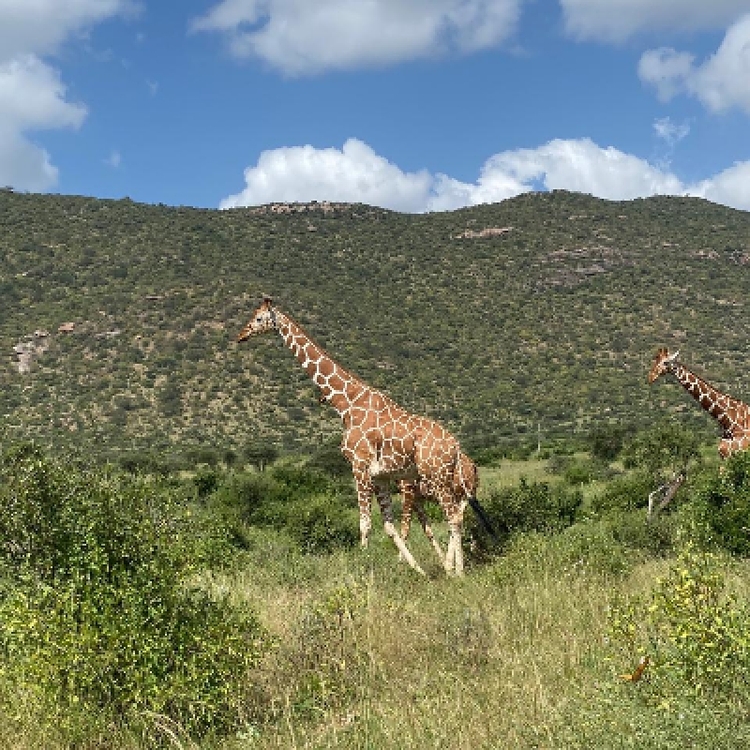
(673, 357)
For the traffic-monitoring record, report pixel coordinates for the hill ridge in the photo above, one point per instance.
(553, 321)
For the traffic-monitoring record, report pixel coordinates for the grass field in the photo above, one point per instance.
(516, 655)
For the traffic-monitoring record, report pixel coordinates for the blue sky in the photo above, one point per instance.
(415, 105)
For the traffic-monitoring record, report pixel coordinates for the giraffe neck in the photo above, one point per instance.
(338, 386)
(731, 413)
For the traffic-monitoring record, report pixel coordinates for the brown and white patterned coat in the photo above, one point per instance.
(732, 414)
(381, 441)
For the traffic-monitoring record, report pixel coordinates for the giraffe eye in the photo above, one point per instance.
(258, 319)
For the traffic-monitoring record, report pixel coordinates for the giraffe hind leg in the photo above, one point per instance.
(386, 509)
(413, 503)
(422, 516)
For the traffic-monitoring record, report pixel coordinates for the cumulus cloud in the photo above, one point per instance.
(357, 174)
(354, 173)
(720, 83)
(617, 20)
(731, 187)
(32, 94)
(300, 37)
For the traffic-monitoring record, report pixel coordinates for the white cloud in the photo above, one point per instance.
(731, 187)
(357, 174)
(41, 26)
(302, 37)
(720, 83)
(32, 97)
(666, 70)
(114, 160)
(617, 20)
(32, 94)
(671, 133)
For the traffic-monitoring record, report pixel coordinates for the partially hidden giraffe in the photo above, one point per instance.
(381, 441)
(732, 414)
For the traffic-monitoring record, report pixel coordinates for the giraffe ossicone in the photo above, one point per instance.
(732, 414)
(383, 443)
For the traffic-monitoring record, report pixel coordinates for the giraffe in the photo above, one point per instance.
(732, 414)
(381, 441)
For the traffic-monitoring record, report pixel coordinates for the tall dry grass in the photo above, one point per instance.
(515, 655)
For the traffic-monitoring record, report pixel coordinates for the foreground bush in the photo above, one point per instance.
(694, 632)
(98, 628)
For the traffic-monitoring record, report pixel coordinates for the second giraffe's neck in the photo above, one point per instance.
(729, 412)
(338, 386)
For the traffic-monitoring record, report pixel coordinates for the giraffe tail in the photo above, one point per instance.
(482, 515)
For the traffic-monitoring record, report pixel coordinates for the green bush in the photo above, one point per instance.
(722, 505)
(316, 510)
(98, 626)
(695, 634)
(322, 523)
(624, 493)
(607, 441)
(329, 459)
(531, 506)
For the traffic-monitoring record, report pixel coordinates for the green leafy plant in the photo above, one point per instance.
(694, 632)
(721, 506)
(531, 506)
(98, 622)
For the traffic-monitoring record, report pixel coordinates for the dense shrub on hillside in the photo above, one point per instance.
(722, 505)
(606, 441)
(98, 626)
(329, 459)
(664, 450)
(531, 506)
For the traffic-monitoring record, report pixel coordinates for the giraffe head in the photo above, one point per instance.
(263, 319)
(663, 362)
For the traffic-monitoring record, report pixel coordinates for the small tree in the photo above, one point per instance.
(662, 451)
(260, 454)
(663, 454)
(607, 441)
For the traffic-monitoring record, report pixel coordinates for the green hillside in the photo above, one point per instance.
(544, 309)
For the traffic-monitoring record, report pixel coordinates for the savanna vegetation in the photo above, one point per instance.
(179, 554)
(231, 607)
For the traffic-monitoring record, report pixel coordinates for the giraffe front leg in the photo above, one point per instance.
(364, 500)
(413, 503)
(386, 509)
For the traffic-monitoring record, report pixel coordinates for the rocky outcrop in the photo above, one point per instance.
(487, 232)
(29, 349)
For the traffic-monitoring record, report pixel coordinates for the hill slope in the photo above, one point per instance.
(546, 308)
